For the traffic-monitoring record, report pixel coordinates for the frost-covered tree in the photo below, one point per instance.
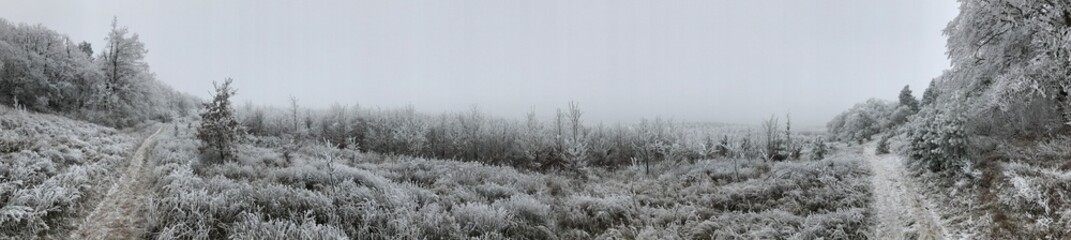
(254, 119)
(334, 126)
(534, 141)
(86, 48)
(1007, 53)
(793, 149)
(409, 132)
(122, 62)
(472, 127)
(774, 147)
(940, 141)
(295, 118)
(908, 100)
(861, 121)
(219, 132)
(43, 70)
(128, 92)
(883, 144)
(723, 148)
(819, 149)
(654, 141)
(930, 94)
(576, 147)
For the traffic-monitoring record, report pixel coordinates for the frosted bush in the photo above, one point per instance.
(477, 218)
(939, 141)
(861, 121)
(840, 224)
(773, 224)
(596, 214)
(718, 170)
(10, 141)
(1035, 199)
(21, 220)
(1025, 190)
(436, 223)
(29, 168)
(492, 191)
(253, 227)
(883, 144)
(32, 207)
(525, 207)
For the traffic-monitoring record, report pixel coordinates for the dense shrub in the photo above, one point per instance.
(939, 140)
(819, 149)
(883, 144)
(861, 121)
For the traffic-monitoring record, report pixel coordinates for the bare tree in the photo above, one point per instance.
(773, 143)
(559, 119)
(294, 107)
(574, 119)
(794, 149)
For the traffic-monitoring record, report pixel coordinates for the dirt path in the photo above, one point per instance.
(116, 216)
(900, 211)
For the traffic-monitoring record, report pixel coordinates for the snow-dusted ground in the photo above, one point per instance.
(116, 216)
(900, 211)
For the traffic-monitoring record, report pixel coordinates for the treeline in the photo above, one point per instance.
(864, 120)
(563, 142)
(42, 70)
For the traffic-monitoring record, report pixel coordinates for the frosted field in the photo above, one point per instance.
(535, 120)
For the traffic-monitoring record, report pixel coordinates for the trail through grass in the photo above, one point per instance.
(900, 212)
(116, 217)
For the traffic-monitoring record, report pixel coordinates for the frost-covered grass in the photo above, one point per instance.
(52, 170)
(1040, 199)
(328, 193)
(1022, 190)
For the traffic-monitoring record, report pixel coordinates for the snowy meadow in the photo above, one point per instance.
(324, 192)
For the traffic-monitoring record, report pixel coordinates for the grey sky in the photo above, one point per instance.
(727, 61)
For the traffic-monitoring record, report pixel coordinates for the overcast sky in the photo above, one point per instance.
(723, 61)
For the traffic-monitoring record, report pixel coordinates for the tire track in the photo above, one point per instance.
(117, 215)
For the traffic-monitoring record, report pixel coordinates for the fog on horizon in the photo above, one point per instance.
(719, 61)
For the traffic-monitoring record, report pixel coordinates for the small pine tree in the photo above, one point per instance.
(883, 145)
(219, 131)
(940, 141)
(819, 149)
(576, 151)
